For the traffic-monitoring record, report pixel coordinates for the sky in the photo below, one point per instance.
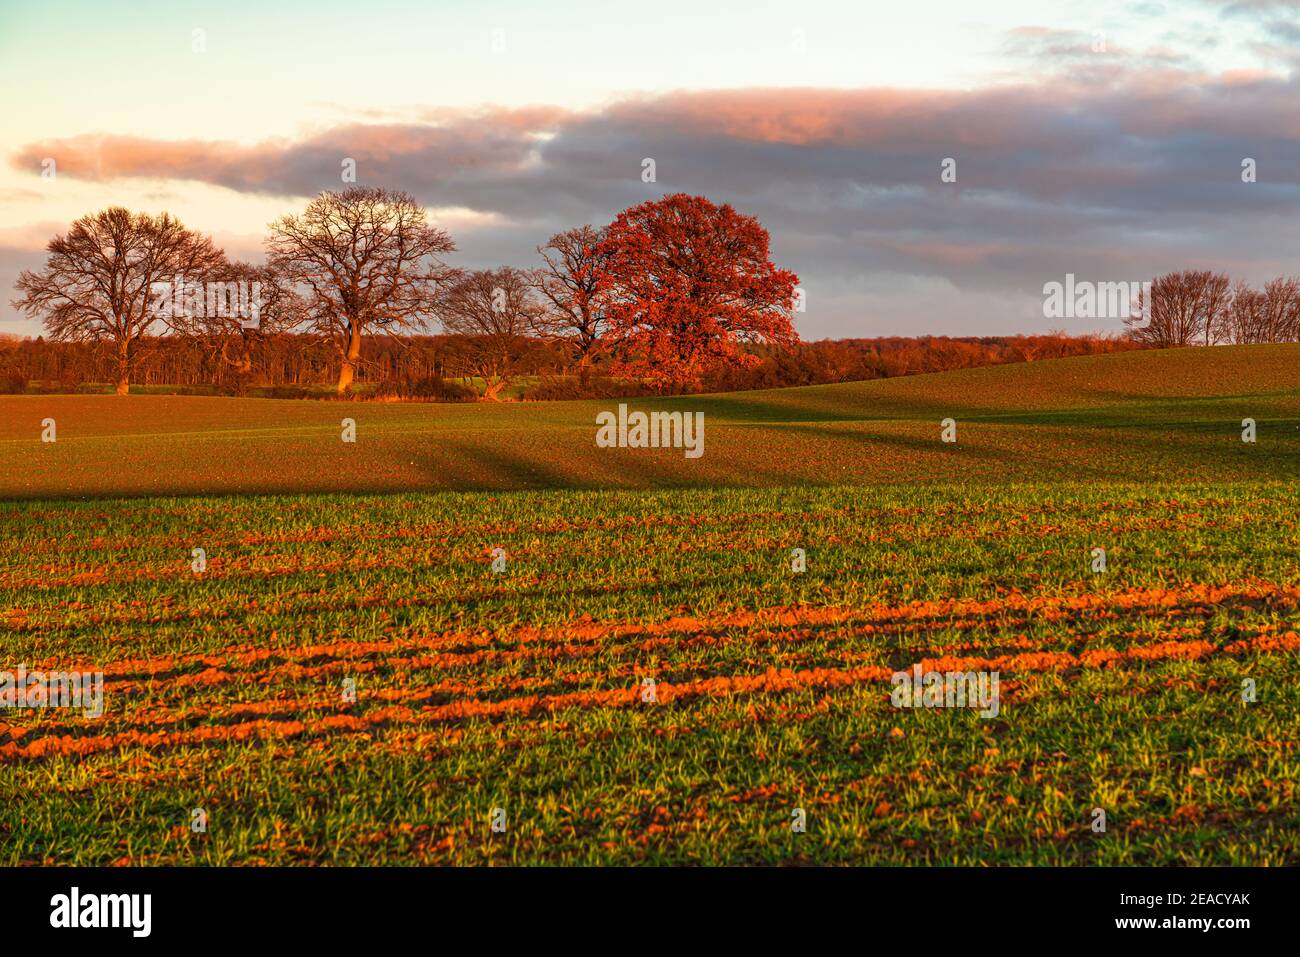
(1104, 140)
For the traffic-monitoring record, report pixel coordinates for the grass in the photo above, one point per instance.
(514, 391)
(524, 690)
(1172, 414)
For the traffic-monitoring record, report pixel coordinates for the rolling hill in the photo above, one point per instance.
(1172, 414)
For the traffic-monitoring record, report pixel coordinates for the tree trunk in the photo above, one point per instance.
(124, 368)
(350, 357)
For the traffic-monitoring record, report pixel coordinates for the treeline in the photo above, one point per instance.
(668, 292)
(852, 360)
(445, 367)
(1200, 307)
(674, 295)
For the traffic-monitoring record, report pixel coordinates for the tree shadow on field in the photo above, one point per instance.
(929, 448)
(1206, 453)
(1132, 451)
(629, 469)
(1165, 399)
(742, 410)
(511, 472)
(738, 409)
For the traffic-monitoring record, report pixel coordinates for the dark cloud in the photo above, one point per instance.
(1106, 168)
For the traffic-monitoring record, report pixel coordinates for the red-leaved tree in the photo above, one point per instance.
(688, 283)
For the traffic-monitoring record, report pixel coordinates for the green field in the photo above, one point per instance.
(1136, 416)
(524, 690)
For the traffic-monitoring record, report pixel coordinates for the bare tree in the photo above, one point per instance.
(1270, 315)
(1244, 321)
(367, 259)
(1216, 296)
(1282, 310)
(1185, 307)
(100, 280)
(572, 285)
(244, 307)
(495, 310)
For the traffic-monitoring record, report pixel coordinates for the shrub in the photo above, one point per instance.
(288, 392)
(12, 382)
(436, 389)
(552, 388)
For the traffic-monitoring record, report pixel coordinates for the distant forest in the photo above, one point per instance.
(447, 367)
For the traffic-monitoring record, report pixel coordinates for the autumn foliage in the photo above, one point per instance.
(689, 283)
(676, 295)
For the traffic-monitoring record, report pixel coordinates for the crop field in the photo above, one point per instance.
(640, 674)
(1173, 414)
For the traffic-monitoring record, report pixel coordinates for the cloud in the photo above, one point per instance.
(1257, 8)
(29, 237)
(1117, 166)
